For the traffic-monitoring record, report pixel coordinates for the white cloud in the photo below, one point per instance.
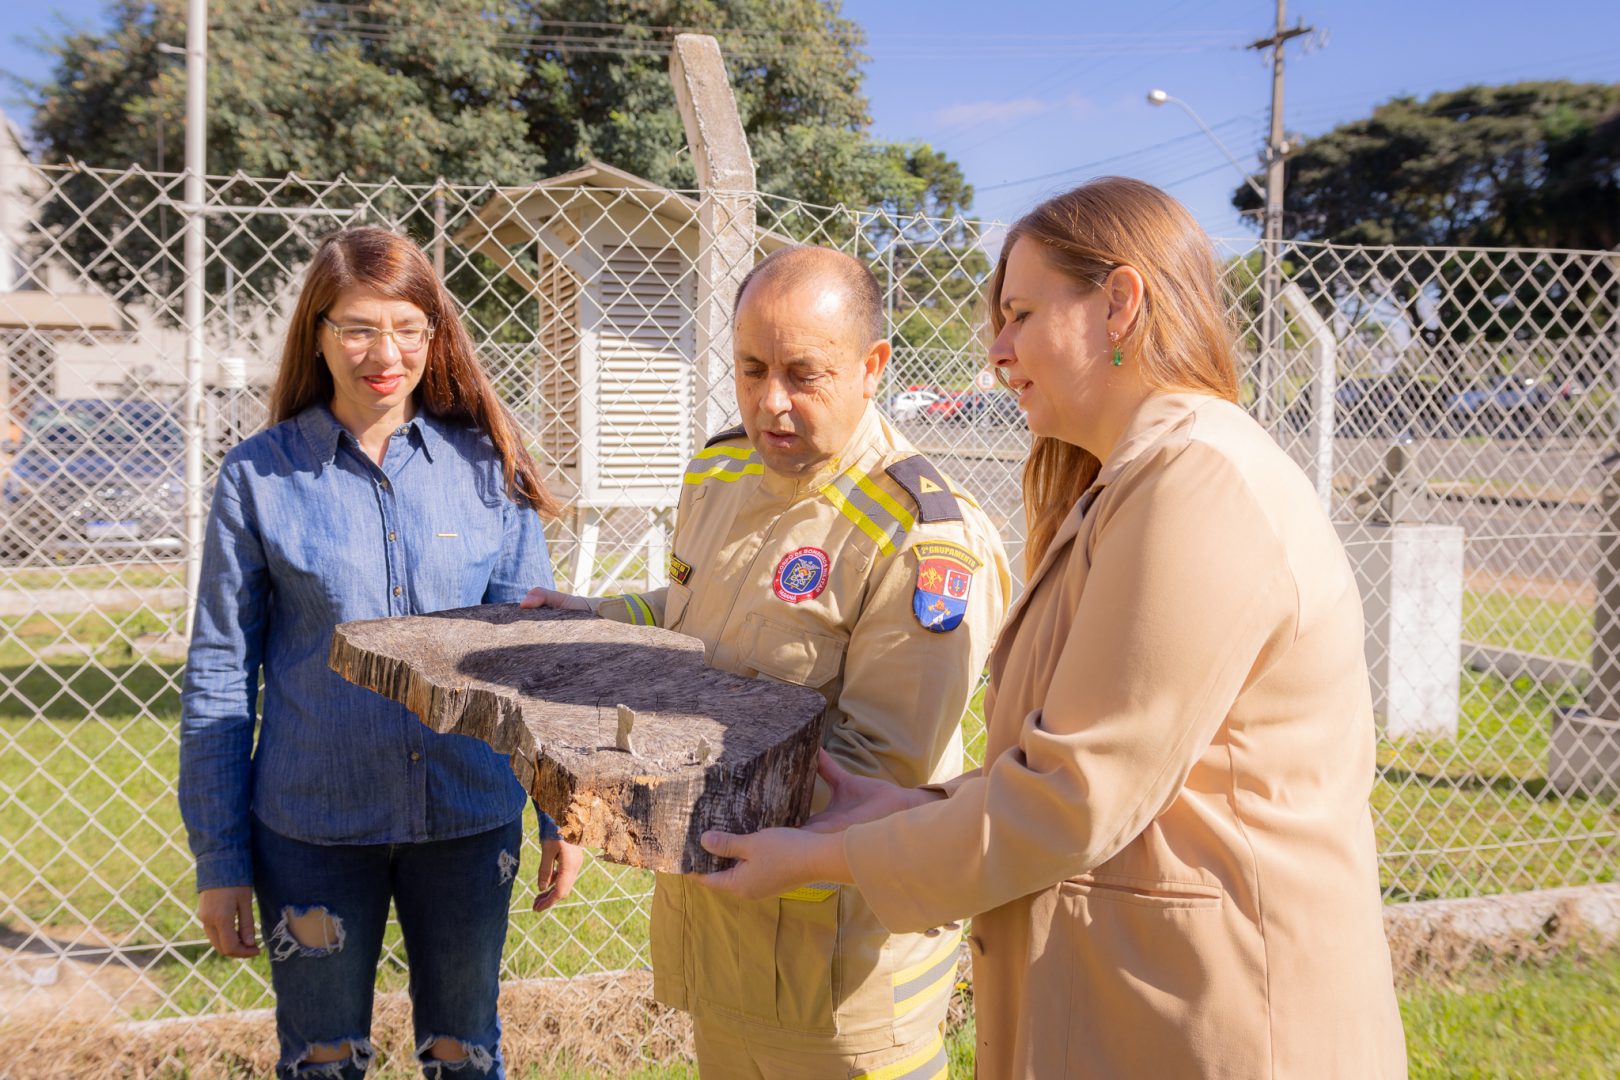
(999, 112)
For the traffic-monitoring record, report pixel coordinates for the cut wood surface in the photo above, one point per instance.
(621, 733)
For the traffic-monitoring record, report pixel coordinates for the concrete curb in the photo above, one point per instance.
(1511, 663)
(1429, 938)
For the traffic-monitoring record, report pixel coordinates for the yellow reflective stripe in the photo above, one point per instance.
(881, 497)
(917, 984)
(864, 523)
(634, 606)
(929, 1063)
(813, 892)
(741, 453)
(722, 472)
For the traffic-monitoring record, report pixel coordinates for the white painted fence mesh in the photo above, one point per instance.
(1490, 374)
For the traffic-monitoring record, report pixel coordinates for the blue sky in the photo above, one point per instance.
(1016, 89)
(1049, 85)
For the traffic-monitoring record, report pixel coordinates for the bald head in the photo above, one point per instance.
(783, 271)
(808, 352)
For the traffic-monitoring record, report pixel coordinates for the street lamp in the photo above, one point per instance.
(1270, 268)
(1157, 97)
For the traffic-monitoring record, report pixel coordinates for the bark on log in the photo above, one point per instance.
(706, 749)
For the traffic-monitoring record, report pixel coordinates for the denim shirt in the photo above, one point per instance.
(306, 532)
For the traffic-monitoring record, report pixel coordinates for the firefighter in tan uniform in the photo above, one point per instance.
(813, 545)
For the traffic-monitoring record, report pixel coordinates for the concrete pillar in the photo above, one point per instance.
(1603, 693)
(725, 174)
(1584, 752)
(1410, 576)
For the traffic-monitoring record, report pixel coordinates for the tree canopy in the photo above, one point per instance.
(477, 91)
(1530, 164)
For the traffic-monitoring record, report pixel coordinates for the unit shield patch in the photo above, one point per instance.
(944, 579)
(801, 575)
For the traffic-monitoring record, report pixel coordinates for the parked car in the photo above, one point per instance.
(1380, 406)
(996, 408)
(1507, 406)
(945, 408)
(910, 404)
(92, 474)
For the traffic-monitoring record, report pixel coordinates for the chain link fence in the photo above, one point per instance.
(1454, 408)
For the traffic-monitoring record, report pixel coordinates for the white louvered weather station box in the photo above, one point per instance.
(610, 261)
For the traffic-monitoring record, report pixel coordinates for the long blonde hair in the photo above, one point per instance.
(1181, 339)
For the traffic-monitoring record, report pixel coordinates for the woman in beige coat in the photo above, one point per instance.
(1168, 854)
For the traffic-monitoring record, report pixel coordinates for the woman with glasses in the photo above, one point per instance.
(1168, 853)
(391, 482)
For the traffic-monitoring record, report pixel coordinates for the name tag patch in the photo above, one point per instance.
(801, 575)
(944, 580)
(679, 570)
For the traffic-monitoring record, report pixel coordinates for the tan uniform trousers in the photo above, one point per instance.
(727, 1053)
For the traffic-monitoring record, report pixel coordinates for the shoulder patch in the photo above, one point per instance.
(730, 433)
(927, 489)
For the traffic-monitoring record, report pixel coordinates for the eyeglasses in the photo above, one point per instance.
(363, 338)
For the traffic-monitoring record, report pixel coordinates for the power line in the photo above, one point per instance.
(1179, 139)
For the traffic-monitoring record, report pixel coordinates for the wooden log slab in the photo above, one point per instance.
(621, 733)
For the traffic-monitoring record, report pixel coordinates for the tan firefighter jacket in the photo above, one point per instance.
(878, 583)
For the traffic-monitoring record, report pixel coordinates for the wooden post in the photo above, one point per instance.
(725, 174)
(621, 733)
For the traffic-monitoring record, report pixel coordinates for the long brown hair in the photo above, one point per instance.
(1181, 338)
(453, 386)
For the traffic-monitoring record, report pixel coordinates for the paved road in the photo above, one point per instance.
(1530, 534)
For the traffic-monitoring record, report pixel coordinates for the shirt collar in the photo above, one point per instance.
(325, 434)
(1152, 421)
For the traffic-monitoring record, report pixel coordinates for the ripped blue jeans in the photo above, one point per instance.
(452, 898)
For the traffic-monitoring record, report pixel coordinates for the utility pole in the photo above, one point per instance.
(1271, 276)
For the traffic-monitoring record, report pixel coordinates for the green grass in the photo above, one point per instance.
(106, 782)
(88, 754)
(1470, 815)
(1561, 1019)
(135, 576)
(1557, 628)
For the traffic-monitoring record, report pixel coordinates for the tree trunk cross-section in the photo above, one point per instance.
(705, 749)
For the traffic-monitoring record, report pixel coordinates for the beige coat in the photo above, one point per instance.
(813, 580)
(1169, 853)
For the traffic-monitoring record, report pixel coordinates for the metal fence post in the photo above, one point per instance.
(1325, 355)
(196, 197)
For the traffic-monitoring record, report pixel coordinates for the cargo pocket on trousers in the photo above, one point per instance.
(806, 940)
(670, 977)
(794, 654)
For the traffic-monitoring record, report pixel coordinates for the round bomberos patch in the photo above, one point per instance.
(801, 575)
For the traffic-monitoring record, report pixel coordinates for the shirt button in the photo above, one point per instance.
(383, 484)
(396, 590)
(415, 756)
(390, 537)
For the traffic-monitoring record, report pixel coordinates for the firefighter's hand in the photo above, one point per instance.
(227, 918)
(543, 597)
(773, 861)
(560, 863)
(856, 799)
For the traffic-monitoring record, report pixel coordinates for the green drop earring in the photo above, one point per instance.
(1119, 357)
